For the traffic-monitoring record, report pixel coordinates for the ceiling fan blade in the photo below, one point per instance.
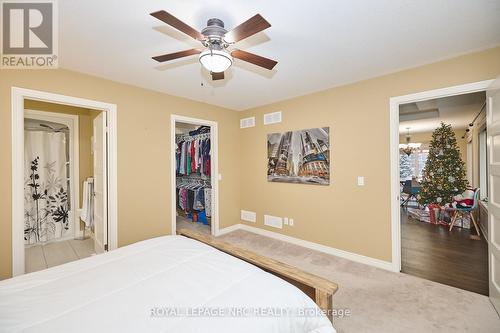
(180, 54)
(217, 76)
(254, 59)
(248, 28)
(177, 24)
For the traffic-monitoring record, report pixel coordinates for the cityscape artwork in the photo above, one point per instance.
(301, 157)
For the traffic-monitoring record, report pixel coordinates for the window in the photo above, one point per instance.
(412, 166)
(483, 165)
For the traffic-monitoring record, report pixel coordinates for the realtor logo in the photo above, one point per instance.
(29, 38)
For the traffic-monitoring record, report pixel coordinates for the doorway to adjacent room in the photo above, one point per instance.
(194, 175)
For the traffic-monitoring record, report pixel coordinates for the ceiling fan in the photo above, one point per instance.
(216, 57)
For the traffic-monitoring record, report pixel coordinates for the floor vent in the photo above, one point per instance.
(273, 221)
(248, 216)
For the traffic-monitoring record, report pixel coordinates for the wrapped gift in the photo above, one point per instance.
(434, 211)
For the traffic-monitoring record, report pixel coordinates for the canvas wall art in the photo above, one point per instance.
(301, 157)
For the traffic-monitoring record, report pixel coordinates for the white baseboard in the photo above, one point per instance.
(229, 229)
(387, 265)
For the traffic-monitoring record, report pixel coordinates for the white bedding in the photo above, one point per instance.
(120, 290)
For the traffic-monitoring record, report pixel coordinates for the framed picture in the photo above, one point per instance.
(301, 157)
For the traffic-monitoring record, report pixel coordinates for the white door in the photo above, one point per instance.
(100, 184)
(493, 128)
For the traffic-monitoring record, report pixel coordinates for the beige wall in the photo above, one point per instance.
(426, 138)
(473, 137)
(143, 151)
(344, 215)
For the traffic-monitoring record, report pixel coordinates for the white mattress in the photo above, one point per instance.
(120, 290)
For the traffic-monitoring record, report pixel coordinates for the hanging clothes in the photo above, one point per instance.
(208, 201)
(193, 174)
(189, 158)
(206, 157)
(182, 158)
(199, 199)
(193, 156)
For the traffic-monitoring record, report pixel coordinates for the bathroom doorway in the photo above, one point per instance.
(61, 144)
(58, 174)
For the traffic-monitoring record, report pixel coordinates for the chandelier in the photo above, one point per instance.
(409, 148)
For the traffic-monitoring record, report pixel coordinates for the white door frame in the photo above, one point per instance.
(394, 103)
(18, 95)
(214, 166)
(71, 121)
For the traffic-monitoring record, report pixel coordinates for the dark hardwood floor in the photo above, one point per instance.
(432, 252)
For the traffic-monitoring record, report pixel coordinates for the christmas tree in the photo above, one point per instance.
(404, 167)
(444, 173)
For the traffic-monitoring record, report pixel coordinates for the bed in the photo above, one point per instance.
(165, 284)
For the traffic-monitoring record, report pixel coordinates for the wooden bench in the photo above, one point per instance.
(320, 290)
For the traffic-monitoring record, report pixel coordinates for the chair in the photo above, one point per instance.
(410, 190)
(467, 211)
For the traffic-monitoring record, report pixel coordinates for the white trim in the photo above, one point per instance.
(229, 229)
(17, 117)
(394, 103)
(214, 165)
(72, 122)
(310, 245)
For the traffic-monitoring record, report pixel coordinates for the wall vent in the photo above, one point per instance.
(248, 216)
(273, 221)
(247, 122)
(272, 118)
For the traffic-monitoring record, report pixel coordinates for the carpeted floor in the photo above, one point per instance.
(382, 301)
(184, 223)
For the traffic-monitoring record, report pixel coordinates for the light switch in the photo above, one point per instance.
(361, 181)
(220, 176)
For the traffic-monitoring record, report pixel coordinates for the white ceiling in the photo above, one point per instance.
(458, 111)
(318, 43)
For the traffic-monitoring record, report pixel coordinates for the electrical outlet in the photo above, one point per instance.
(290, 222)
(285, 220)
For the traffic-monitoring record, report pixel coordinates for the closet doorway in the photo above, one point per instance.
(194, 175)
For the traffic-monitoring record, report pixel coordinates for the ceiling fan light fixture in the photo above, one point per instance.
(216, 61)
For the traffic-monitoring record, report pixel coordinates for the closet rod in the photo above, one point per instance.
(187, 137)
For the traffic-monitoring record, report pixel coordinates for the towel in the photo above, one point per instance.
(87, 212)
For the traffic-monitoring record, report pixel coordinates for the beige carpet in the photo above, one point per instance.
(382, 301)
(184, 223)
